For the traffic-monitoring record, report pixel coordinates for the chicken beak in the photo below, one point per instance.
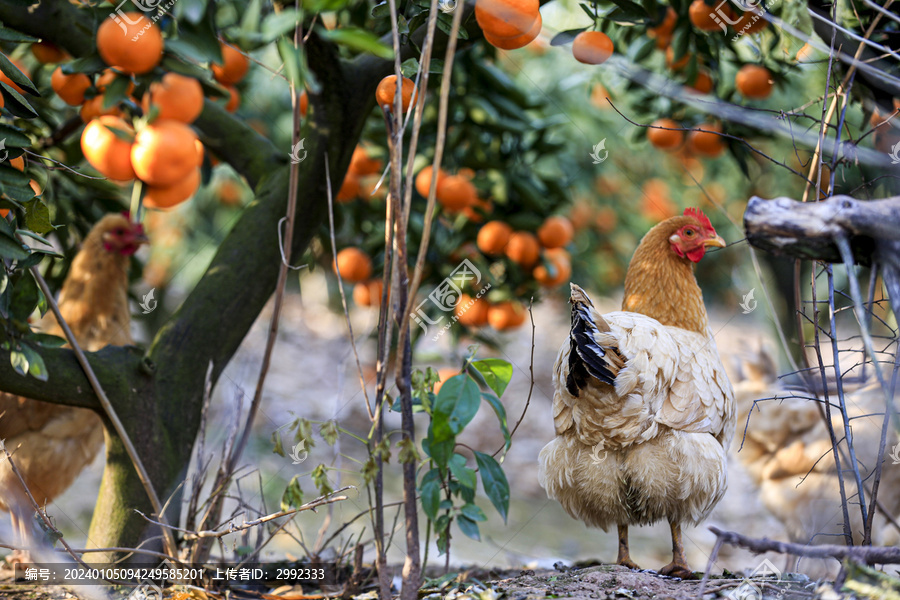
(714, 242)
(141, 238)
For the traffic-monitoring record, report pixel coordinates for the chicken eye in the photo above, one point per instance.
(120, 231)
(688, 232)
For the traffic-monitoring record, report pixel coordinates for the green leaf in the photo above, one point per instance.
(86, 64)
(19, 362)
(631, 9)
(565, 37)
(17, 76)
(459, 399)
(251, 16)
(15, 103)
(11, 35)
(14, 137)
(329, 432)
(116, 91)
(192, 10)
(359, 39)
(36, 366)
(408, 453)
(320, 478)
(293, 495)
(430, 492)
(469, 528)
(445, 24)
(381, 10)
(25, 297)
(37, 217)
(45, 340)
(11, 248)
(280, 23)
(278, 447)
(641, 49)
(473, 512)
(465, 476)
(291, 57)
(497, 373)
(494, 481)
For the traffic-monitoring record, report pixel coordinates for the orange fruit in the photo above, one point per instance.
(705, 143)
(474, 215)
(106, 151)
(350, 189)
(470, 311)
(606, 219)
(108, 76)
(555, 232)
(561, 268)
(165, 152)
(664, 29)
(676, 65)
(592, 47)
(523, 248)
(233, 68)
(656, 201)
(368, 293)
(703, 83)
(519, 41)
(493, 237)
(665, 139)
(70, 88)
(354, 265)
(361, 164)
(455, 192)
(387, 89)
(443, 375)
(423, 180)
(506, 18)
(138, 50)
(754, 82)
(747, 20)
(229, 192)
(4, 212)
(167, 197)
(93, 108)
(701, 15)
(506, 315)
(45, 53)
(9, 81)
(304, 103)
(234, 99)
(175, 97)
(18, 163)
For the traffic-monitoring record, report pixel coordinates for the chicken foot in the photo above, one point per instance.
(624, 558)
(678, 567)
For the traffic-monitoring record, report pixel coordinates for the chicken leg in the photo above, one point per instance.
(624, 558)
(678, 567)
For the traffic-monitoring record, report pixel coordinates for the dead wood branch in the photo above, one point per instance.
(808, 230)
(870, 555)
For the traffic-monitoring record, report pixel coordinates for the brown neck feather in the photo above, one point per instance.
(660, 284)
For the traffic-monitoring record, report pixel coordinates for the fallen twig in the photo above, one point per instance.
(870, 555)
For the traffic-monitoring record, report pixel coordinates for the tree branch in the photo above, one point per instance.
(872, 555)
(808, 230)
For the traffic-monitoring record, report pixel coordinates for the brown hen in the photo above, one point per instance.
(642, 408)
(54, 443)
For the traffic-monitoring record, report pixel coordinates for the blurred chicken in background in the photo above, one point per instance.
(52, 443)
(787, 451)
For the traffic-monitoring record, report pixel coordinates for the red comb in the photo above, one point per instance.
(698, 214)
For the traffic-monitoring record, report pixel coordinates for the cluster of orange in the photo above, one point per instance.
(753, 81)
(362, 174)
(165, 154)
(454, 192)
(704, 140)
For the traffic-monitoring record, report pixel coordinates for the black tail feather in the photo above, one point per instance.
(587, 358)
